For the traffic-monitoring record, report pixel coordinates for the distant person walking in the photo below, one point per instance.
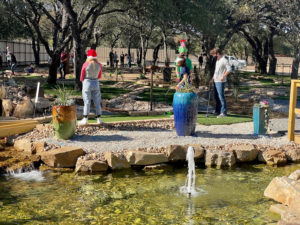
(222, 70)
(111, 59)
(200, 61)
(116, 59)
(63, 64)
(122, 59)
(90, 74)
(13, 63)
(129, 60)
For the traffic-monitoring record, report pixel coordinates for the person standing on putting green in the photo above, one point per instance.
(90, 74)
(222, 70)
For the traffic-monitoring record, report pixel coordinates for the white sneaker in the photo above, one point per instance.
(83, 121)
(221, 115)
(99, 121)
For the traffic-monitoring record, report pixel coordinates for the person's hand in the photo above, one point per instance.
(211, 82)
(177, 87)
(222, 78)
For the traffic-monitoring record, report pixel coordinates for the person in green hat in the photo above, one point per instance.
(188, 63)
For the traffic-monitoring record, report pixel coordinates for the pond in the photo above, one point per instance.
(230, 196)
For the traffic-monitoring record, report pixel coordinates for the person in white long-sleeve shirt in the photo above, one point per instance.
(222, 70)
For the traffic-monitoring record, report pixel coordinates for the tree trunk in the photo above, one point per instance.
(165, 50)
(155, 52)
(128, 52)
(295, 65)
(142, 54)
(36, 50)
(209, 44)
(55, 60)
(272, 58)
(79, 58)
(151, 91)
(259, 52)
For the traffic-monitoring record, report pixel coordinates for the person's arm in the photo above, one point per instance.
(100, 72)
(185, 76)
(82, 75)
(228, 70)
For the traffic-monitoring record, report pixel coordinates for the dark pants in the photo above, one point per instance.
(62, 70)
(219, 92)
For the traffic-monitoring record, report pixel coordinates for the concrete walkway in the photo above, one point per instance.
(102, 141)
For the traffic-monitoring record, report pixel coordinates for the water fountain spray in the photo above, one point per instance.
(191, 177)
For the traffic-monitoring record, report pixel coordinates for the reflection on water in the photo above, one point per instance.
(232, 197)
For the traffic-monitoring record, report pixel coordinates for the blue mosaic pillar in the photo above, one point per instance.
(259, 120)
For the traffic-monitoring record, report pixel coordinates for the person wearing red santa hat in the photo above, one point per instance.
(90, 74)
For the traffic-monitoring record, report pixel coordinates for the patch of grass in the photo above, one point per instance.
(112, 92)
(230, 119)
(107, 92)
(266, 77)
(211, 120)
(52, 89)
(119, 117)
(159, 95)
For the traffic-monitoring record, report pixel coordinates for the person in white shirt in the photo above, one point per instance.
(222, 70)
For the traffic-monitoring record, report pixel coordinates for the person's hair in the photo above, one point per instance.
(89, 60)
(215, 51)
(181, 62)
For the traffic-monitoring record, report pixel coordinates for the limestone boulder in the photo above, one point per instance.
(31, 91)
(7, 107)
(295, 175)
(116, 161)
(83, 165)
(145, 158)
(291, 217)
(42, 104)
(39, 146)
(28, 146)
(178, 152)
(283, 190)
(278, 208)
(274, 157)
(260, 157)
(199, 151)
(65, 157)
(293, 155)
(25, 145)
(244, 152)
(219, 158)
(24, 109)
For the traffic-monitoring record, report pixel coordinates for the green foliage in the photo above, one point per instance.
(159, 95)
(63, 96)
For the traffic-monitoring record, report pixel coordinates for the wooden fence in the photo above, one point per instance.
(23, 52)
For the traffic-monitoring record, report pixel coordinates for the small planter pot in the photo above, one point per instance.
(185, 107)
(64, 121)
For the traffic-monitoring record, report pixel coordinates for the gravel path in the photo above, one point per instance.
(104, 141)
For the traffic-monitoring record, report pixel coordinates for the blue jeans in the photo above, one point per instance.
(13, 66)
(91, 88)
(219, 91)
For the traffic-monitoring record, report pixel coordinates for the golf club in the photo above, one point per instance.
(208, 101)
